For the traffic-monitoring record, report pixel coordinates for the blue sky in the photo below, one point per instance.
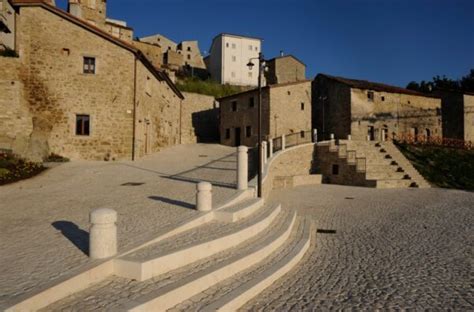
(391, 41)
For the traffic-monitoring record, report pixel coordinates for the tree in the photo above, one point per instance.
(465, 84)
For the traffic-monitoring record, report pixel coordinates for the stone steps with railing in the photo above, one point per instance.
(367, 163)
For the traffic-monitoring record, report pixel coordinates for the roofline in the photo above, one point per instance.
(273, 86)
(461, 92)
(289, 55)
(139, 55)
(380, 88)
(237, 36)
(156, 35)
(116, 24)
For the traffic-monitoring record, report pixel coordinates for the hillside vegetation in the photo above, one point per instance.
(442, 166)
(208, 87)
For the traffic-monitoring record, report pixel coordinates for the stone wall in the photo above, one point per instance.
(152, 52)
(200, 119)
(469, 117)
(284, 70)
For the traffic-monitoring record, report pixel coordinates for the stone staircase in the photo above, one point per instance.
(221, 264)
(367, 163)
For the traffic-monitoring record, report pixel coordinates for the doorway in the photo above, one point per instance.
(237, 136)
(371, 133)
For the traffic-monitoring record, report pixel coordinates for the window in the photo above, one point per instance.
(302, 134)
(82, 125)
(66, 52)
(248, 131)
(383, 98)
(232, 74)
(234, 106)
(251, 102)
(289, 92)
(227, 134)
(89, 65)
(227, 45)
(189, 49)
(250, 74)
(370, 96)
(302, 106)
(189, 56)
(335, 169)
(250, 47)
(256, 48)
(233, 46)
(234, 58)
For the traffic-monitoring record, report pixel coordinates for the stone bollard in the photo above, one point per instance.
(332, 136)
(242, 167)
(270, 148)
(349, 137)
(103, 233)
(204, 196)
(264, 152)
(283, 142)
(315, 135)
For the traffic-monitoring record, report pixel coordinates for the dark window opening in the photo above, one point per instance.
(335, 169)
(234, 106)
(383, 98)
(189, 49)
(302, 134)
(251, 102)
(89, 65)
(248, 131)
(227, 134)
(370, 96)
(302, 106)
(289, 92)
(82, 125)
(189, 56)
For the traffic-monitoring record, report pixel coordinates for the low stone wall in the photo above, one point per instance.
(199, 121)
(289, 168)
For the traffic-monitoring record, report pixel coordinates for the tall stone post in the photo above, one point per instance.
(264, 153)
(315, 135)
(270, 148)
(349, 137)
(332, 136)
(283, 142)
(204, 196)
(242, 167)
(103, 233)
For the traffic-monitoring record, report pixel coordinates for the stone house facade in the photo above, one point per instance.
(377, 111)
(200, 119)
(119, 29)
(286, 109)
(79, 92)
(284, 69)
(458, 115)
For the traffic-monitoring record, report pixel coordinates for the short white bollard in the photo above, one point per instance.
(270, 148)
(332, 136)
(283, 142)
(264, 152)
(315, 135)
(242, 167)
(204, 196)
(103, 233)
(349, 137)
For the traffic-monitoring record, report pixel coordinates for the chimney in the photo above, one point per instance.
(281, 53)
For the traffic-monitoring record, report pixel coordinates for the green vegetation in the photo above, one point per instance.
(56, 158)
(442, 166)
(208, 87)
(465, 84)
(7, 52)
(13, 168)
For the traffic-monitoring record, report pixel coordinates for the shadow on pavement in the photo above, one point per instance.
(74, 234)
(172, 202)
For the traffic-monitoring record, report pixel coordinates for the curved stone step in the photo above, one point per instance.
(192, 246)
(116, 292)
(198, 282)
(239, 211)
(232, 294)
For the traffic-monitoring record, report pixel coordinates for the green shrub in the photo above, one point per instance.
(56, 158)
(14, 168)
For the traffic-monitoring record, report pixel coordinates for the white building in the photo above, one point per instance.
(228, 59)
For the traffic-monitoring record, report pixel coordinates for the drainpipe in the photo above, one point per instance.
(134, 107)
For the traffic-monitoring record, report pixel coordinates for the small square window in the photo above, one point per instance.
(227, 45)
(189, 49)
(234, 106)
(89, 65)
(302, 134)
(251, 102)
(256, 48)
(383, 98)
(250, 74)
(233, 46)
(370, 96)
(302, 106)
(227, 134)
(234, 58)
(83, 125)
(289, 92)
(189, 56)
(248, 131)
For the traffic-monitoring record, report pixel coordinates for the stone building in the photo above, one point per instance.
(7, 25)
(372, 110)
(77, 91)
(284, 69)
(286, 109)
(228, 58)
(458, 115)
(119, 29)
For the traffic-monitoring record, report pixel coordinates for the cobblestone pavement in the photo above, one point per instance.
(392, 249)
(44, 221)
